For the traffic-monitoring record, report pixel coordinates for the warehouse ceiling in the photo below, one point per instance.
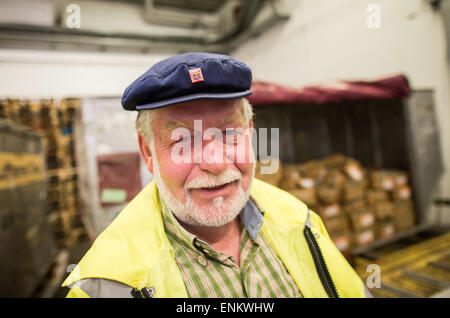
(136, 25)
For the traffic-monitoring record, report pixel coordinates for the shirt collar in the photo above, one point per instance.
(252, 217)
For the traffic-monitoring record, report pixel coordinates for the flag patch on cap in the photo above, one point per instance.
(196, 75)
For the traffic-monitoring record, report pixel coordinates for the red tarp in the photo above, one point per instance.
(386, 88)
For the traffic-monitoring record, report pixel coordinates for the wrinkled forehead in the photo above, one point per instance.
(212, 113)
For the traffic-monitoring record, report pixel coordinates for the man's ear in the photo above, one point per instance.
(146, 154)
(250, 127)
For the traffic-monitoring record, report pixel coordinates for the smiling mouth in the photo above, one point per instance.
(217, 188)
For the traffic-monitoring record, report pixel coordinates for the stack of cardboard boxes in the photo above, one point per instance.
(357, 205)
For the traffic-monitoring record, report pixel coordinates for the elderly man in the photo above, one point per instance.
(205, 227)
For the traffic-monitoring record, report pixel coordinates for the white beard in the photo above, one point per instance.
(220, 212)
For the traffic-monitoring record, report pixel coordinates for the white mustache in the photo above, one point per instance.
(212, 181)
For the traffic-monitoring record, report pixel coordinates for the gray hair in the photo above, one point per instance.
(145, 120)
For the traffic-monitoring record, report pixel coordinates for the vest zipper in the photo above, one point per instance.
(321, 266)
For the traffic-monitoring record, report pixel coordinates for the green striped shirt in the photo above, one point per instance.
(208, 273)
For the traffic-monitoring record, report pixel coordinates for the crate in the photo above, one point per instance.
(399, 134)
(26, 242)
(53, 120)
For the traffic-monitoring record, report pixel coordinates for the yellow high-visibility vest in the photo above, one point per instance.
(134, 249)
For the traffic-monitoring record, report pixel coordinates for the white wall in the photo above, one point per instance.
(60, 74)
(328, 40)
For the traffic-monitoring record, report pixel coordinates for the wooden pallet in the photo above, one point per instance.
(417, 271)
(58, 175)
(53, 120)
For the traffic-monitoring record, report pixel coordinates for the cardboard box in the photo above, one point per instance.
(273, 179)
(330, 187)
(336, 161)
(328, 211)
(385, 229)
(337, 224)
(312, 169)
(328, 195)
(400, 178)
(290, 177)
(354, 206)
(402, 192)
(334, 178)
(362, 219)
(404, 226)
(403, 206)
(374, 196)
(404, 216)
(306, 183)
(353, 170)
(383, 210)
(308, 196)
(364, 237)
(383, 180)
(353, 191)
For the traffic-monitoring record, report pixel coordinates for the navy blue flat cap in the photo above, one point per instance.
(188, 77)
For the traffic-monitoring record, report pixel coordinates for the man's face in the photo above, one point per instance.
(211, 185)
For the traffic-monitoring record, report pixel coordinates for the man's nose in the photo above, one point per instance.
(213, 157)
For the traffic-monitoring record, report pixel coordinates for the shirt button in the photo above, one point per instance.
(202, 260)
